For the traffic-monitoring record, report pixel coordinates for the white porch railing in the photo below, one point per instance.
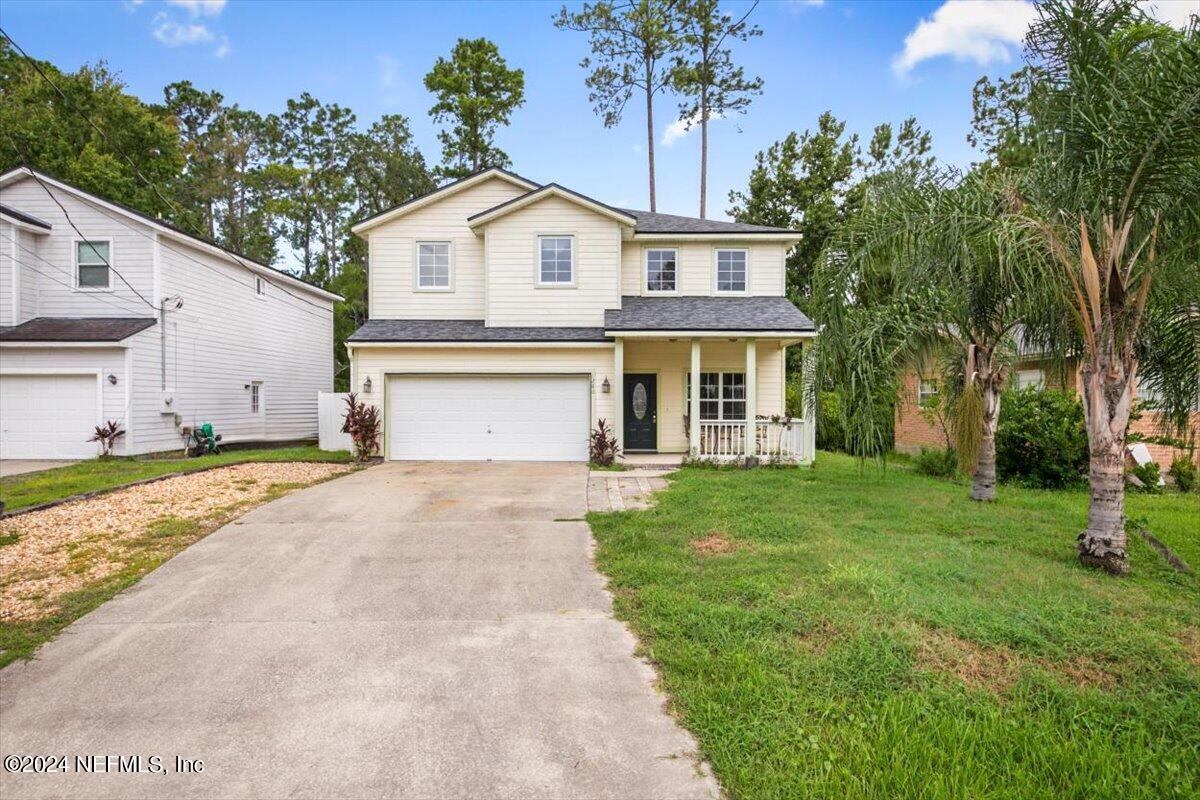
(783, 440)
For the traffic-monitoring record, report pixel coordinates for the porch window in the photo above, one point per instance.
(556, 266)
(91, 264)
(731, 270)
(722, 395)
(660, 270)
(433, 265)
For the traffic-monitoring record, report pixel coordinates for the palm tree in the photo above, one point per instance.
(1114, 197)
(931, 266)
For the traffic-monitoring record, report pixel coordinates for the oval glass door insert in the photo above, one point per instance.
(639, 401)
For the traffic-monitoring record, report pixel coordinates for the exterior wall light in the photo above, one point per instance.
(367, 386)
(606, 387)
(112, 379)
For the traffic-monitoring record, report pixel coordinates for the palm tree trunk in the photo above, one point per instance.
(1107, 397)
(983, 480)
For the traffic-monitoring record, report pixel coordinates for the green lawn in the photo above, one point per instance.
(20, 491)
(845, 633)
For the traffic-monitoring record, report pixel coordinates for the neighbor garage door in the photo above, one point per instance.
(47, 416)
(488, 417)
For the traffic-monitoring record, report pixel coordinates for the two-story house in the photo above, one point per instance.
(108, 314)
(508, 317)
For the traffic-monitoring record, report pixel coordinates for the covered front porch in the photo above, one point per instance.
(739, 413)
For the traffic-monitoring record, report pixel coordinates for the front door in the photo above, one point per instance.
(641, 412)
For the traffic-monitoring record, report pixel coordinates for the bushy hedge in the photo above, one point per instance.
(1041, 440)
(936, 463)
(831, 423)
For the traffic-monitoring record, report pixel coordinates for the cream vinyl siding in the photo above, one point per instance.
(376, 362)
(131, 254)
(225, 337)
(514, 297)
(695, 266)
(671, 361)
(392, 246)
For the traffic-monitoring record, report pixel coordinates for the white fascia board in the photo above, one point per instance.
(550, 191)
(437, 195)
(707, 334)
(469, 345)
(121, 345)
(717, 238)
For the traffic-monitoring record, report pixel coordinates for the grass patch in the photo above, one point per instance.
(20, 491)
(9, 538)
(844, 632)
(613, 467)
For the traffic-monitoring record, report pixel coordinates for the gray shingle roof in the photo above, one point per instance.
(465, 330)
(652, 222)
(75, 329)
(707, 314)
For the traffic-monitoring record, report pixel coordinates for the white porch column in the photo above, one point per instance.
(694, 401)
(618, 392)
(751, 397)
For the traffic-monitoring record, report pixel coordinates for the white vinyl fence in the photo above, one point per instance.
(331, 412)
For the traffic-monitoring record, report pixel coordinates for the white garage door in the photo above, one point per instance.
(488, 417)
(47, 416)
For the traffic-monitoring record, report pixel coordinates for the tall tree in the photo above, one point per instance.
(386, 166)
(89, 134)
(476, 93)
(812, 182)
(705, 75)
(1002, 116)
(632, 44)
(1112, 190)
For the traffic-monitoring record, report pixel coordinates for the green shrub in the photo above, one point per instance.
(1041, 440)
(1183, 472)
(1149, 474)
(831, 423)
(936, 463)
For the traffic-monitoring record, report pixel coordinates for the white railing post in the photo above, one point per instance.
(751, 397)
(694, 403)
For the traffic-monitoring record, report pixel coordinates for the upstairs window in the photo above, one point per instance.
(92, 264)
(433, 265)
(731, 270)
(927, 392)
(722, 395)
(660, 270)
(556, 260)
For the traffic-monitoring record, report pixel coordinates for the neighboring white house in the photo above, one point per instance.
(508, 317)
(108, 314)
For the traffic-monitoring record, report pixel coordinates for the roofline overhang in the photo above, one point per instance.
(682, 333)
(715, 236)
(572, 344)
(37, 230)
(549, 190)
(407, 207)
(171, 233)
(48, 343)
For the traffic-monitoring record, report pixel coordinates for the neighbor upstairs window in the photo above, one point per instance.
(731, 270)
(556, 260)
(660, 270)
(92, 261)
(927, 392)
(1031, 379)
(722, 395)
(433, 265)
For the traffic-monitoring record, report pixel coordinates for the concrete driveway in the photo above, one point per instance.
(23, 466)
(412, 630)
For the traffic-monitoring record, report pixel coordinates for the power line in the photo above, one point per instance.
(41, 73)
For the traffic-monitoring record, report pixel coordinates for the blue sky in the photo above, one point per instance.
(868, 62)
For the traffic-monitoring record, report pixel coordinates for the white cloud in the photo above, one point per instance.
(982, 31)
(1175, 13)
(132, 5)
(207, 8)
(682, 127)
(389, 70)
(176, 34)
(797, 6)
(222, 48)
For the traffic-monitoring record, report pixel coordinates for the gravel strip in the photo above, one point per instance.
(67, 547)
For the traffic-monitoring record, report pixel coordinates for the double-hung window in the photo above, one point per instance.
(556, 260)
(731, 270)
(433, 266)
(92, 261)
(722, 395)
(660, 270)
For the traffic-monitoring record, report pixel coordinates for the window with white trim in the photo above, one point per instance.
(256, 397)
(927, 392)
(433, 265)
(92, 260)
(660, 270)
(556, 260)
(731, 270)
(722, 395)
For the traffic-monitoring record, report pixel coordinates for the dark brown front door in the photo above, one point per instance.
(641, 412)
